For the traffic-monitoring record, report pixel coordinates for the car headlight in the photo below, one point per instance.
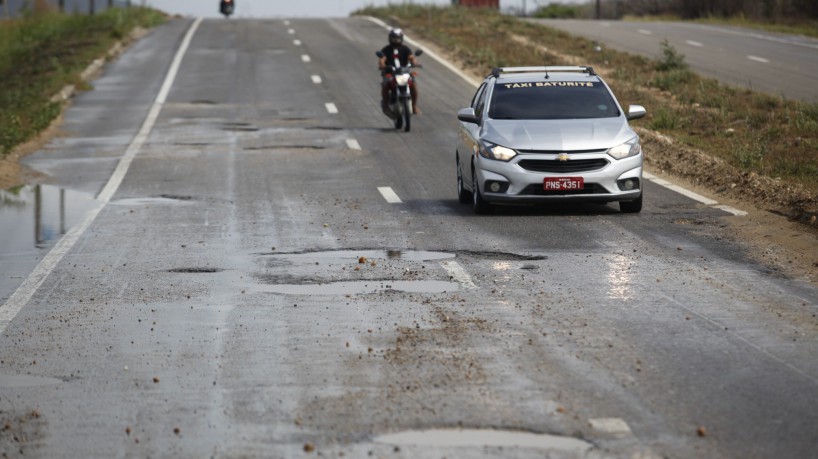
(629, 148)
(500, 153)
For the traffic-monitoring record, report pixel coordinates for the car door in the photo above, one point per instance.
(468, 135)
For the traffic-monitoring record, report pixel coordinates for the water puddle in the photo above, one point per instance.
(461, 438)
(408, 255)
(37, 216)
(360, 287)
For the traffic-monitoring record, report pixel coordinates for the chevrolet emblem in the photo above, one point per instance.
(563, 157)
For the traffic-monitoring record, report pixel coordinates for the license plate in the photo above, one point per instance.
(563, 183)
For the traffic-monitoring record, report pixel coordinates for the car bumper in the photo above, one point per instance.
(526, 186)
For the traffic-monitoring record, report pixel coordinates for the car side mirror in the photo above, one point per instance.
(636, 112)
(418, 52)
(467, 115)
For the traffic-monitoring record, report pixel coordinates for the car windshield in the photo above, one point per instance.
(551, 100)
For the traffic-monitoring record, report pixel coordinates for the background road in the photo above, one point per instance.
(774, 63)
(249, 290)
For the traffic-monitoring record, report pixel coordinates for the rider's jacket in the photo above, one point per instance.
(403, 52)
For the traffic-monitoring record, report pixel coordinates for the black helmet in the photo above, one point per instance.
(396, 37)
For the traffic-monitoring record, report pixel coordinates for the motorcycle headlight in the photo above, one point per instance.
(629, 148)
(497, 152)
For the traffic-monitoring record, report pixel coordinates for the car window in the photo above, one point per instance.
(481, 102)
(552, 100)
(477, 95)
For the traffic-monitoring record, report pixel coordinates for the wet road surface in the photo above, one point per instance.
(249, 291)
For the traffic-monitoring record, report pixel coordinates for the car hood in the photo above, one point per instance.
(562, 135)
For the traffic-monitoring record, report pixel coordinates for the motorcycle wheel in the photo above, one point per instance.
(407, 114)
(398, 117)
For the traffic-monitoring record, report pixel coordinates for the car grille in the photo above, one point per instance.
(571, 166)
(536, 189)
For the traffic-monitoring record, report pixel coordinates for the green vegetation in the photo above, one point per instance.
(45, 51)
(752, 132)
(559, 11)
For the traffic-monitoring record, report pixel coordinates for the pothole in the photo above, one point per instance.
(481, 438)
(195, 270)
(407, 255)
(286, 147)
(360, 287)
(504, 256)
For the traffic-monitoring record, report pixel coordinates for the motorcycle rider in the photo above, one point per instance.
(405, 56)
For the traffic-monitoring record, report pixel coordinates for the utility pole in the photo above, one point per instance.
(92, 8)
(598, 9)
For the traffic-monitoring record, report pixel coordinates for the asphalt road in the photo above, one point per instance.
(253, 288)
(778, 64)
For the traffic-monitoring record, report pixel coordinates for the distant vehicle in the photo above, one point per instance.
(548, 134)
(226, 7)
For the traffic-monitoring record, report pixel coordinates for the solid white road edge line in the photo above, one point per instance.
(758, 59)
(26, 290)
(645, 32)
(388, 194)
(695, 43)
(331, 108)
(458, 274)
(694, 196)
(612, 426)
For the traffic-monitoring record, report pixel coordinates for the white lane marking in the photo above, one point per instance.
(613, 426)
(305, 58)
(732, 210)
(695, 43)
(474, 82)
(458, 274)
(23, 294)
(316, 79)
(286, 23)
(692, 195)
(758, 59)
(353, 144)
(297, 42)
(390, 195)
(645, 32)
(331, 108)
(291, 31)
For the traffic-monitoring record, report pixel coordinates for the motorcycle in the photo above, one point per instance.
(226, 7)
(400, 82)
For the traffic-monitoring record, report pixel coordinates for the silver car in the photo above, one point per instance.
(548, 134)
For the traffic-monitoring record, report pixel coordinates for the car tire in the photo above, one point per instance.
(631, 207)
(463, 196)
(479, 205)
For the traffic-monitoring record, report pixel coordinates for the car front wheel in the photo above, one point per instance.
(462, 194)
(480, 205)
(631, 207)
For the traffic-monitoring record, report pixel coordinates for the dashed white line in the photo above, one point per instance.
(612, 426)
(353, 144)
(286, 23)
(291, 31)
(331, 108)
(306, 58)
(458, 274)
(297, 42)
(316, 79)
(23, 294)
(389, 194)
(645, 32)
(759, 59)
(694, 43)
